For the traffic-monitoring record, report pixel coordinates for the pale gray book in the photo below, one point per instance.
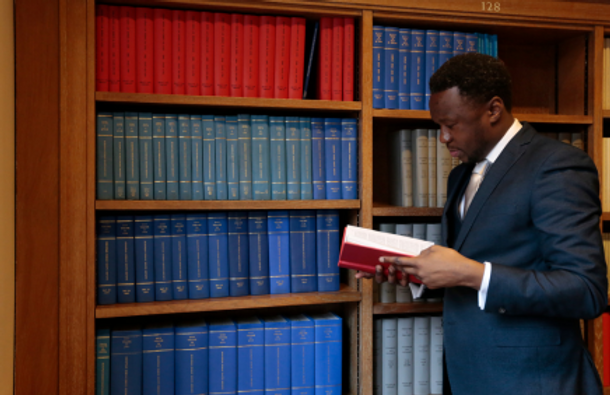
(436, 355)
(432, 171)
(565, 137)
(389, 356)
(405, 355)
(420, 167)
(387, 291)
(444, 164)
(577, 140)
(403, 294)
(401, 163)
(421, 356)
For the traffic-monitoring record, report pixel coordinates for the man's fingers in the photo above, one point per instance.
(379, 276)
(398, 260)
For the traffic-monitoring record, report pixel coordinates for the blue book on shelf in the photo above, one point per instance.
(293, 158)
(445, 50)
(158, 360)
(260, 158)
(191, 345)
(250, 356)
(106, 260)
(459, 43)
(162, 240)
(159, 162)
(302, 337)
(221, 158)
(349, 159)
(232, 158)
(197, 157)
(432, 48)
(417, 71)
(481, 40)
(312, 50)
(303, 251)
(278, 229)
(223, 357)
(277, 150)
(328, 243)
(378, 67)
(328, 353)
(318, 158)
(238, 254)
(102, 361)
(244, 156)
(146, 155)
(404, 63)
(118, 154)
(218, 261)
(390, 55)
(172, 157)
(494, 45)
(277, 355)
(126, 268)
(332, 150)
(305, 158)
(126, 362)
(105, 162)
(209, 157)
(184, 157)
(259, 252)
(132, 156)
(197, 255)
(179, 262)
(472, 42)
(144, 252)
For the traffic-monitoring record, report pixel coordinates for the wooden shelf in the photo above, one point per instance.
(402, 114)
(344, 295)
(605, 216)
(606, 113)
(532, 118)
(139, 205)
(386, 210)
(407, 308)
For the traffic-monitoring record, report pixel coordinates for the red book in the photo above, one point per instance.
(337, 60)
(102, 55)
(606, 348)
(251, 36)
(282, 56)
(297, 58)
(114, 72)
(193, 47)
(236, 74)
(222, 53)
(207, 54)
(162, 51)
(267, 56)
(324, 69)
(128, 48)
(178, 52)
(348, 59)
(144, 50)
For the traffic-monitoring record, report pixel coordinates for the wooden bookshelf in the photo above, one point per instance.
(386, 210)
(531, 118)
(407, 308)
(139, 205)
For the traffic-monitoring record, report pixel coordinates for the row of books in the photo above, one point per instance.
(405, 59)
(276, 354)
(147, 258)
(408, 356)
(194, 157)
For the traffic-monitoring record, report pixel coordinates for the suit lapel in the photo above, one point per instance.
(455, 191)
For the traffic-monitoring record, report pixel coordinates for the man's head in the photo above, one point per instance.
(471, 101)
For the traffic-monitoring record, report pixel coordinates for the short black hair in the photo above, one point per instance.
(478, 77)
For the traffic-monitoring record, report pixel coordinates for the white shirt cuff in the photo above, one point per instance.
(484, 285)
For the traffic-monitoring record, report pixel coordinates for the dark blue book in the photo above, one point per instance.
(432, 48)
(146, 155)
(223, 357)
(209, 157)
(306, 159)
(179, 262)
(118, 155)
(349, 159)
(417, 71)
(390, 63)
(318, 158)
(312, 49)
(125, 259)
(162, 240)
(126, 362)
(472, 42)
(238, 254)
(303, 251)
(106, 260)
(278, 230)
(459, 43)
(197, 157)
(232, 158)
(197, 255)
(144, 253)
(102, 362)
(218, 261)
(404, 64)
(221, 158)
(277, 150)
(172, 157)
(293, 158)
(378, 67)
(105, 162)
(328, 353)
(494, 45)
(159, 161)
(184, 157)
(250, 356)
(158, 360)
(328, 244)
(132, 156)
(332, 159)
(260, 158)
(244, 156)
(259, 252)
(191, 345)
(302, 337)
(277, 355)
(445, 50)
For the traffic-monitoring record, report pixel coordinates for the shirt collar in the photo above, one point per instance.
(508, 136)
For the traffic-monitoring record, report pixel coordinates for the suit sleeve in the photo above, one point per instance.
(565, 212)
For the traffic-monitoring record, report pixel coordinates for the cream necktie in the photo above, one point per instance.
(478, 173)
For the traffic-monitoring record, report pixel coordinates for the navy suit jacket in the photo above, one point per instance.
(535, 218)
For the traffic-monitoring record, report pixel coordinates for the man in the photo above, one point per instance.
(523, 260)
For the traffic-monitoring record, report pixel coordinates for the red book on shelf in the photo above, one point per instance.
(297, 58)
(222, 53)
(102, 56)
(282, 57)
(348, 59)
(128, 49)
(114, 72)
(162, 51)
(337, 60)
(144, 50)
(324, 65)
(178, 52)
(267, 56)
(193, 48)
(606, 348)
(207, 53)
(236, 75)
(251, 36)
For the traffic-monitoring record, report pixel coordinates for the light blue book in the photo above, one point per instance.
(302, 337)
(244, 156)
(132, 156)
(146, 155)
(162, 240)
(332, 150)
(390, 85)
(102, 362)
(191, 342)
(172, 157)
(303, 251)
(221, 158)
(277, 149)
(277, 355)
(126, 266)
(144, 253)
(404, 64)
(179, 257)
(232, 158)
(259, 252)
(417, 79)
(318, 158)
(328, 353)
(118, 155)
(197, 255)
(197, 157)
(432, 48)
(293, 158)
(218, 253)
(278, 230)
(494, 45)
(106, 260)
(105, 146)
(306, 159)
(126, 361)
(260, 158)
(378, 67)
(159, 162)
(184, 157)
(328, 243)
(223, 357)
(250, 356)
(209, 157)
(349, 159)
(445, 50)
(158, 360)
(238, 253)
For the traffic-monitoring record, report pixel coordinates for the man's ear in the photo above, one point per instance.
(495, 109)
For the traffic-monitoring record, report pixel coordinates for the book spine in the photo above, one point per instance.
(259, 252)
(282, 57)
(146, 155)
(443, 166)
(222, 53)
(445, 50)
(389, 356)
(404, 64)
(184, 157)
(232, 158)
(278, 230)
(207, 53)
(197, 157)
(114, 71)
(223, 359)
(162, 51)
(106, 260)
(303, 251)
(337, 59)
(105, 161)
(143, 245)
(312, 51)
(191, 353)
(126, 362)
(260, 158)
(436, 355)
(159, 162)
(251, 60)
(277, 149)
(132, 157)
(158, 360)
(318, 158)
(102, 47)
(387, 293)
(172, 157)
(432, 48)
(102, 362)
(432, 165)
(197, 255)
(297, 58)
(421, 355)
(267, 56)
(417, 69)
(244, 156)
(328, 352)
(144, 50)
(277, 357)
(162, 258)
(218, 254)
(420, 167)
(391, 67)
(209, 157)
(179, 257)
(349, 159)
(348, 59)
(306, 160)
(302, 380)
(293, 158)
(406, 165)
(332, 150)
(238, 254)
(325, 59)
(193, 53)
(118, 155)
(250, 357)
(404, 355)
(127, 16)
(327, 247)
(459, 43)
(221, 157)
(472, 42)
(378, 67)
(236, 74)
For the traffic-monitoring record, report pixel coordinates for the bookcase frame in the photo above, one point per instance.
(56, 310)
